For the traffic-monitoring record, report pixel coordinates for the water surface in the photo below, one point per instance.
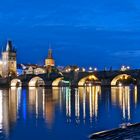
(64, 113)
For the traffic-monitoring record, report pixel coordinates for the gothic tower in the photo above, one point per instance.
(9, 63)
(49, 61)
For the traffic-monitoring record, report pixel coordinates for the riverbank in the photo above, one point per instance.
(130, 132)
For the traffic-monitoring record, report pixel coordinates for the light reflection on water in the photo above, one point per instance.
(121, 96)
(64, 113)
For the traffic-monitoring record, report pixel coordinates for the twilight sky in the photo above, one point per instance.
(84, 32)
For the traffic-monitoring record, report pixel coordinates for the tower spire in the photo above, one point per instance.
(9, 46)
(50, 52)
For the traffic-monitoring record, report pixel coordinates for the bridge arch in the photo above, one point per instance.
(56, 82)
(61, 73)
(36, 82)
(89, 77)
(16, 83)
(123, 79)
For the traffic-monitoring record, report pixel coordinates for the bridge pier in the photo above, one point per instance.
(105, 82)
(74, 84)
(138, 82)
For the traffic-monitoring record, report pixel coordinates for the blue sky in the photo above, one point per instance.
(83, 32)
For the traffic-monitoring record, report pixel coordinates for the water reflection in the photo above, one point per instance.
(61, 106)
(41, 102)
(68, 102)
(90, 97)
(8, 110)
(122, 96)
(85, 102)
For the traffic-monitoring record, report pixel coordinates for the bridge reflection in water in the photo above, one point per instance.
(122, 96)
(91, 105)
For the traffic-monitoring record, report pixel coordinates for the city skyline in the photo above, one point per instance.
(99, 66)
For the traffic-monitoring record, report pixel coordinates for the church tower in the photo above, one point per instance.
(9, 62)
(50, 61)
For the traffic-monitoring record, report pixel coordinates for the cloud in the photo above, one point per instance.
(128, 53)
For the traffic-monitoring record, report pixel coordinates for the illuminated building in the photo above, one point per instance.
(1, 67)
(71, 68)
(30, 70)
(124, 68)
(50, 61)
(33, 69)
(9, 63)
(39, 71)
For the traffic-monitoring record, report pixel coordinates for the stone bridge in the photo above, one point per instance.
(105, 78)
(74, 79)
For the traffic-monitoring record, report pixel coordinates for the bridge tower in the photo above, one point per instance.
(9, 62)
(50, 61)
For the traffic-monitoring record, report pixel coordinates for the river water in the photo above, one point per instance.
(64, 113)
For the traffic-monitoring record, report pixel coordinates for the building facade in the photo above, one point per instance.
(9, 61)
(50, 61)
(9, 67)
(34, 69)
